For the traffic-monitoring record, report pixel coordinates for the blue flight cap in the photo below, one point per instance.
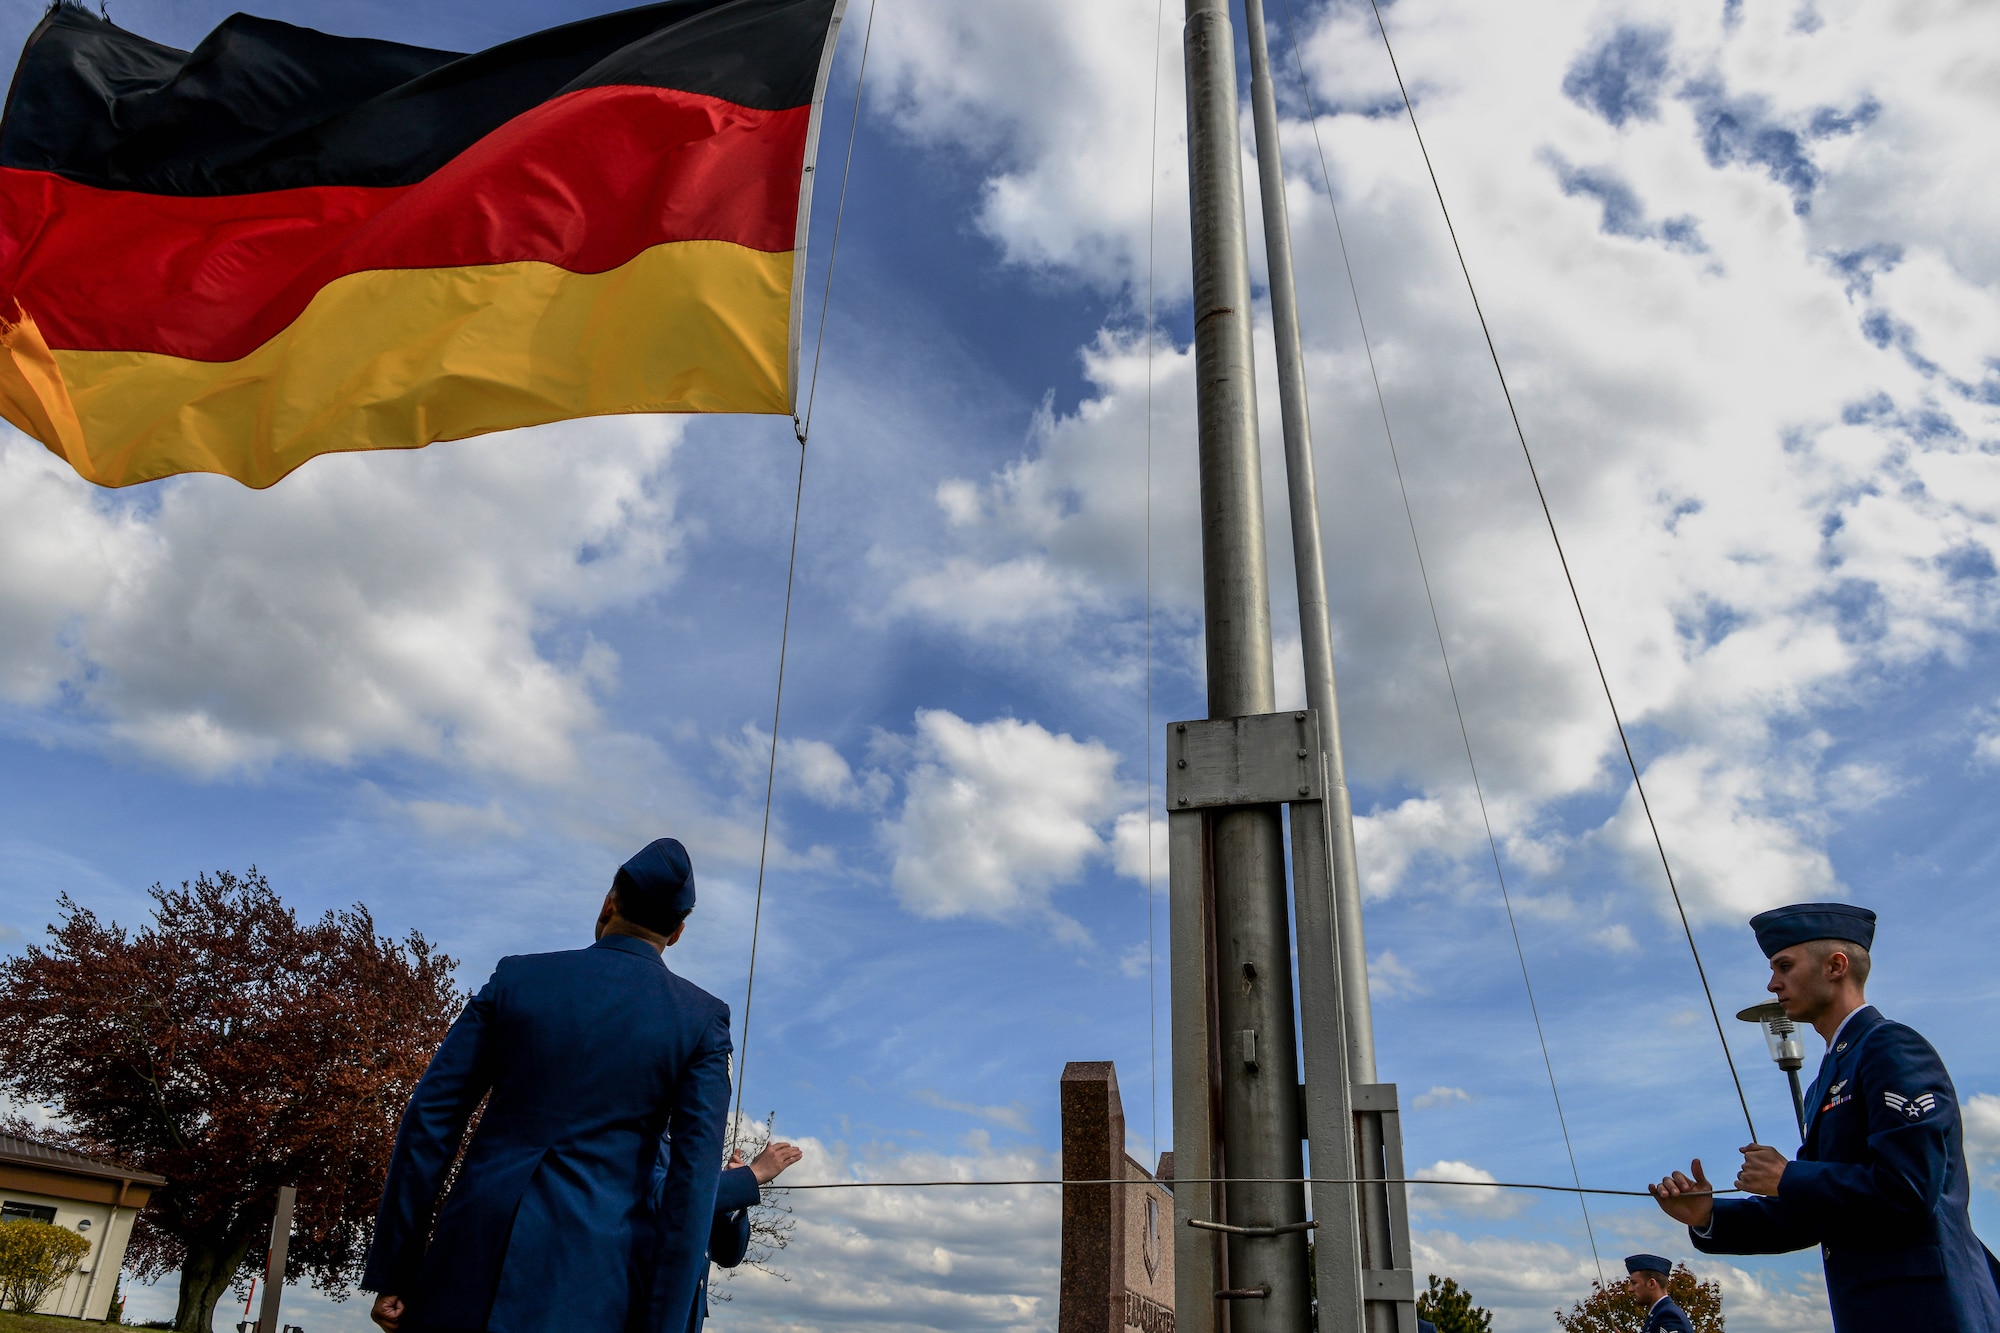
(1782, 927)
(1649, 1263)
(657, 882)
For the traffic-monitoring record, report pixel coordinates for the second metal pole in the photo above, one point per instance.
(1308, 557)
(1368, 1209)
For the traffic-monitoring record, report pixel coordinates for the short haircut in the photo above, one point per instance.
(646, 910)
(1858, 961)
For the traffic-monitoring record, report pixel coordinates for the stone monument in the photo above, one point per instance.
(1117, 1240)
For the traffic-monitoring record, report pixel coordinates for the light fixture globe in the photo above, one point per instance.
(1788, 1050)
(1781, 1034)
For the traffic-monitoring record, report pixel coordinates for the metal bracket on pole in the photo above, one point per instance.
(274, 1263)
(1364, 1281)
(1389, 1282)
(1200, 1259)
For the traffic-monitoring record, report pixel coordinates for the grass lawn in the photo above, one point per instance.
(41, 1323)
(48, 1323)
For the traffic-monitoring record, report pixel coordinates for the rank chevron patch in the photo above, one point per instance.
(1914, 1107)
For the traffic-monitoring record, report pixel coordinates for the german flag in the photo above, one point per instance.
(284, 244)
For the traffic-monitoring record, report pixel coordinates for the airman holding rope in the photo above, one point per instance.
(1880, 1183)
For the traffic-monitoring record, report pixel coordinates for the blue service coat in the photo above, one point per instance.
(1881, 1186)
(1667, 1317)
(729, 1236)
(554, 1224)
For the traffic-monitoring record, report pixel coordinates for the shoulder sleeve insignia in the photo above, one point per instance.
(1913, 1107)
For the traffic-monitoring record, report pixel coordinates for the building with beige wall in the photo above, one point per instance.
(96, 1199)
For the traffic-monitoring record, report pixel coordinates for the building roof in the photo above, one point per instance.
(26, 1152)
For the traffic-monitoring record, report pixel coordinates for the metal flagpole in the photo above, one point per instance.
(1249, 1077)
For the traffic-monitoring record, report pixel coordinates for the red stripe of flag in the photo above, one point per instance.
(584, 182)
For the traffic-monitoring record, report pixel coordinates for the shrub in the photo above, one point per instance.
(35, 1259)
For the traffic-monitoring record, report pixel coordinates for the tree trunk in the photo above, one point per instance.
(212, 1260)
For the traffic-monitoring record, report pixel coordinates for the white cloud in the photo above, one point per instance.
(1390, 976)
(1060, 99)
(1471, 1201)
(1140, 960)
(1616, 938)
(1758, 1305)
(997, 815)
(1986, 743)
(60, 553)
(1520, 1281)
(979, 598)
(387, 602)
(1439, 1095)
(1014, 1117)
(1139, 848)
(944, 1259)
(1738, 846)
(1388, 843)
(447, 820)
(811, 767)
(1981, 1112)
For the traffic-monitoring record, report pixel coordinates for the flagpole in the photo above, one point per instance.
(1249, 936)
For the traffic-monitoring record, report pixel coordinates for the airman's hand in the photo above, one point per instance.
(388, 1311)
(1762, 1169)
(1684, 1200)
(767, 1164)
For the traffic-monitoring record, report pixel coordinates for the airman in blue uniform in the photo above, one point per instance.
(1880, 1184)
(585, 1060)
(1646, 1278)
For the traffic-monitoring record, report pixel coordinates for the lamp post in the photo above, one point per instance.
(1781, 1035)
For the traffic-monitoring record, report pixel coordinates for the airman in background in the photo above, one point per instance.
(1646, 1278)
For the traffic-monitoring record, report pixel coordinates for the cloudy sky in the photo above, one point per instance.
(1740, 260)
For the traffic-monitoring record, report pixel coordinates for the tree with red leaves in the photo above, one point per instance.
(233, 1049)
(1614, 1309)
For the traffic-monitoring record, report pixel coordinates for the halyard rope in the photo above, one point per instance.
(1437, 628)
(803, 429)
(1152, 951)
(1576, 598)
(1226, 1180)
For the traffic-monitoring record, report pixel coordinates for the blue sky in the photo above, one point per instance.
(1740, 262)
